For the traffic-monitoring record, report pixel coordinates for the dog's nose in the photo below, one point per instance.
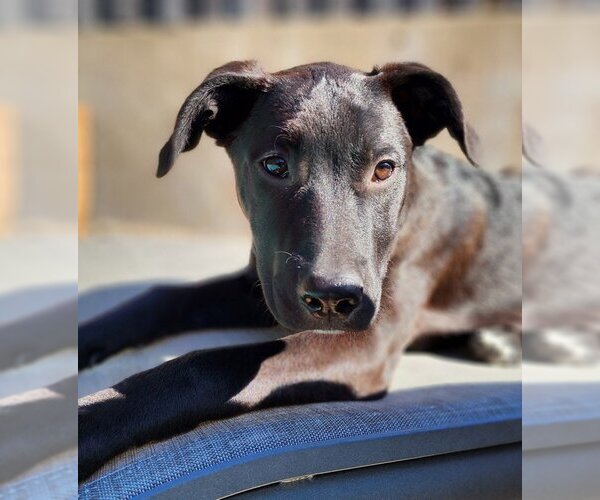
(337, 297)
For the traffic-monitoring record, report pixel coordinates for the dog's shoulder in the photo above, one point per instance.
(464, 180)
(431, 158)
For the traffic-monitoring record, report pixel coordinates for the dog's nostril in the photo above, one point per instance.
(334, 300)
(313, 303)
(345, 306)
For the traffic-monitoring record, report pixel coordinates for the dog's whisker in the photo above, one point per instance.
(293, 257)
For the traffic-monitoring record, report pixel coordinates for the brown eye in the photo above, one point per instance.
(383, 170)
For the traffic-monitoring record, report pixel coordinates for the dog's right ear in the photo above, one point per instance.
(218, 107)
(428, 104)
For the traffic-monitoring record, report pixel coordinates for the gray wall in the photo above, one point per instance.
(39, 85)
(167, 11)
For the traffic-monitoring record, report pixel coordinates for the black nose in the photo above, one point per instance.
(331, 297)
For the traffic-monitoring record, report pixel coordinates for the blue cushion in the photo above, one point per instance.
(228, 456)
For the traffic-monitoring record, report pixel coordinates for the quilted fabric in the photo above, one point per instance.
(223, 444)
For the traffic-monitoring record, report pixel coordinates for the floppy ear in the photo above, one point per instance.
(218, 107)
(428, 103)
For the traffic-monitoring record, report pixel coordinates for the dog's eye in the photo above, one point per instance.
(383, 170)
(276, 165)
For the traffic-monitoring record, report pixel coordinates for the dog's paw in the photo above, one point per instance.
(497, 346)
(568, 347)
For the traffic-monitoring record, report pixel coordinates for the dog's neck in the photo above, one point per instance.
(438, 204)
(444, 222)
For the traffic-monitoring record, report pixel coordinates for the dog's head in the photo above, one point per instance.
(322, 156)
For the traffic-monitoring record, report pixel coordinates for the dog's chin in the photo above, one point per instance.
(306, 322)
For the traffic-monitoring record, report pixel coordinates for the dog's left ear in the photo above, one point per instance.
(218, 107)
(428, 104)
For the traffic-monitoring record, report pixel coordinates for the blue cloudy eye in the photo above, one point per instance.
(276, 165)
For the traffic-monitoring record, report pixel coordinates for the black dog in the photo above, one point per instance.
(360, 244)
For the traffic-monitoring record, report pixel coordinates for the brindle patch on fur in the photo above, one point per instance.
(451, 287)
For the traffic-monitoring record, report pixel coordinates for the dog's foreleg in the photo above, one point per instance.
(202, 385)
(230, 302)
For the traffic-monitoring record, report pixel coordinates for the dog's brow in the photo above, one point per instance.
(359, 156)
(384, 152)
(362, 156)
(286, 134)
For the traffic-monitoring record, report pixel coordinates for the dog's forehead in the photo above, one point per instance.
(319, 91)
(330, 101)
(310, 74)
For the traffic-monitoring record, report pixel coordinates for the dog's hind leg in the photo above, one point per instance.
(496, 345)
(230, 302)
(564, 346)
